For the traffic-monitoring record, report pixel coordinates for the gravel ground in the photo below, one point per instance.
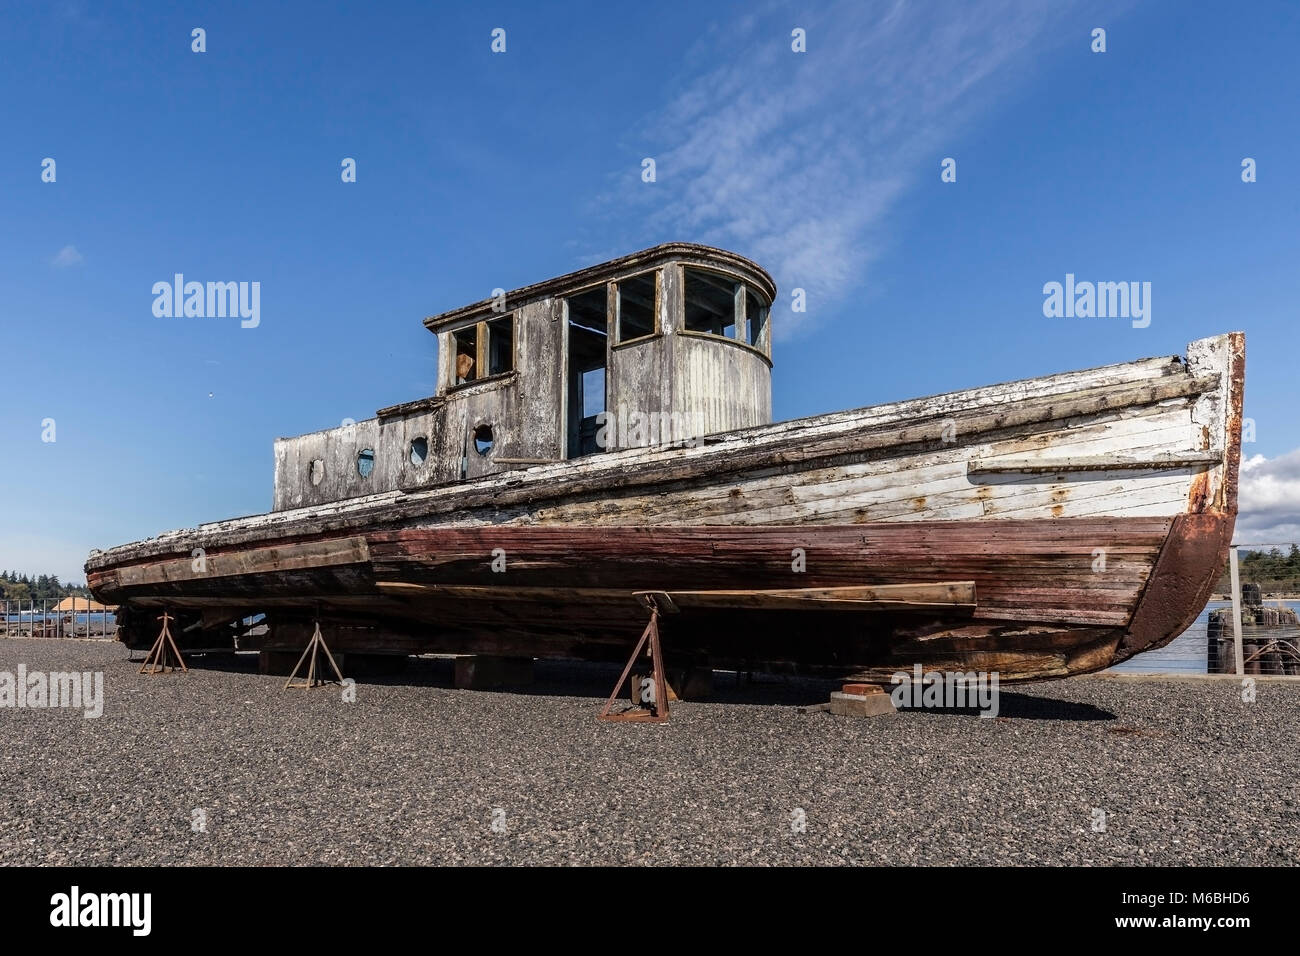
(415, 772)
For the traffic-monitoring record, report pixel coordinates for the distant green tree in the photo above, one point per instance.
(44, 587)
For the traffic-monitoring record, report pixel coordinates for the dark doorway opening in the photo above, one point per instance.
(588, 334)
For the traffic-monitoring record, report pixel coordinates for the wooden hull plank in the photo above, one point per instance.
(1090, 513)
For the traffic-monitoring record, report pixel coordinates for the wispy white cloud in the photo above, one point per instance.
(799, 159)
(67, 257)
(1269, 500)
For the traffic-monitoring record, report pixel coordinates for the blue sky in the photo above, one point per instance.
(477, 170)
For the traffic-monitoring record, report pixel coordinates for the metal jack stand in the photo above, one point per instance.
(316, 643)
(163, 651)
(657, 711)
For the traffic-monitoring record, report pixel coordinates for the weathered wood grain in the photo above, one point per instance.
(1110, 465)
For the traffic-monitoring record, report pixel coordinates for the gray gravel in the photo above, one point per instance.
(412, 771)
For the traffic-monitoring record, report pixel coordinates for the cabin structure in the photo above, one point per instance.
(661, 346)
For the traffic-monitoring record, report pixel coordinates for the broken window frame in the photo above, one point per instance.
(454, 339)
(490, 326)
(417, 451)
(482, 350)
(364, 456)
(740, 315)
(737, 305)
(573, 425)
(615, 308)
(763, 342)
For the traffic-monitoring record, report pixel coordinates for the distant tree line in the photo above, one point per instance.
(42, 587)
(1272, 570)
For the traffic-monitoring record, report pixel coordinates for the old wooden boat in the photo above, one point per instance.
(609, 432)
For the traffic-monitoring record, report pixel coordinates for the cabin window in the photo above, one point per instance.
(316, 473)
(756, 313)
(419, 450)
(588, 310)
(712, 303)
(484, 349)
(365, 462)
(466, 368)
(483, 439)
(585, 386)
(501, 345)
(636, 301)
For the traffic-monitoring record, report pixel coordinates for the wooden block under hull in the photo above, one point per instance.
(861, 705)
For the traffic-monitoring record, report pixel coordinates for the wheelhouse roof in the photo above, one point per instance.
(655, 256)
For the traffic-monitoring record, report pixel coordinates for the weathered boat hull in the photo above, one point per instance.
(1071, 522)
(1042, 609)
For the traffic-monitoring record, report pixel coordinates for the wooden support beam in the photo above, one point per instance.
(1042, 463)
(283, 556)
(947, 595)
(481, 351)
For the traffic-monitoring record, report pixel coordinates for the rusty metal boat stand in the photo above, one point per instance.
(164, 651)
(657, 695)
(314, 647)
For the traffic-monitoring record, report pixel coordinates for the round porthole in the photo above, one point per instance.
(419, 450)
(316, 473)
(483, 439)
(365, 462)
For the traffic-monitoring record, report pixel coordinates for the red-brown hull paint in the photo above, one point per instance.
(1045, 607)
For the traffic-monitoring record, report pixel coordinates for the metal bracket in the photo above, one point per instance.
(316, 644)
(160, 656)
(660, 601)
(657, 710)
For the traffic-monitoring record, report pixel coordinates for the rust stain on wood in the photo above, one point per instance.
(1181, 582)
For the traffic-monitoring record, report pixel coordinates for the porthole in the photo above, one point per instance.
(483, 439)
(365, 462)
(419, 450)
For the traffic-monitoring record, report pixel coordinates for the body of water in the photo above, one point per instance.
(82, 617)
(1185, 654)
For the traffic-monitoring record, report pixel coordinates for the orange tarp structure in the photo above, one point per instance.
(79, 605)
